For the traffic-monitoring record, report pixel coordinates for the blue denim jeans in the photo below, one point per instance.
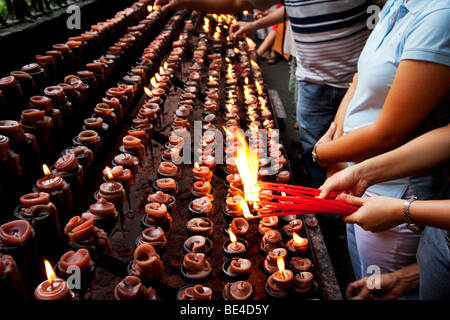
(316, 107)
(433, 256)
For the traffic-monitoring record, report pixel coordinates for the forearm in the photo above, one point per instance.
(340, 114)
(418, 156)
(433, 213)
(408, 277)
(275, 17)
(216, 6)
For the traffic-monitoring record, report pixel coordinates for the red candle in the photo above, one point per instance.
(53, 288)
(15, 232)
(50, 183)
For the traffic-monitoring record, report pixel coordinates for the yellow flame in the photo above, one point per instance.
(181, 37)
(280, 264)
(153, 82)
(247, 163)
(109, 173)
(158, 77)
(161, 70)
(149, 8)
(148, 92)
(228, 60)
(253, 63)
(246, 210)
(197, 166)
(297, 239)
(252, 118)
(216, 36)
(232, 236)
(211, 79)
(266, 122)
(49, 271)
(246, 80)
(258, 87)
(236, 50)
(218, 30)
(245, 12)
(45, 169)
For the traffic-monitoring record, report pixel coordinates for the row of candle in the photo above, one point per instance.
(85, 219)
(49, 122)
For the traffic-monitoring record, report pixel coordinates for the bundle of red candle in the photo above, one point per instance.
(298, 200)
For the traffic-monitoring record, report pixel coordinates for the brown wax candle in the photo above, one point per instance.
(131, 288)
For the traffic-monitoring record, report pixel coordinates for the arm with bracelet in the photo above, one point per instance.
(381, 213)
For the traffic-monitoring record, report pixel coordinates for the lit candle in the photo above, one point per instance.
(53, 288)
(50, 183)
(280, 282)
(297, 244)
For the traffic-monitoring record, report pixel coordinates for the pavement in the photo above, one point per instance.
(276, 76)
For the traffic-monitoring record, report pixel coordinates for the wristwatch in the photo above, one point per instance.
(314, 156)
(408, 221)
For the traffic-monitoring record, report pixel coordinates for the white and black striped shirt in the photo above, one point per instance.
(329, 36)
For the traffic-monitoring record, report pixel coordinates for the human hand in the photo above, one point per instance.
(240, 28)
(375, 213)
(167, 5)
(385, 287)
(327, 137)
(350, 180)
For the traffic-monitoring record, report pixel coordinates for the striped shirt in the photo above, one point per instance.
(329, 36)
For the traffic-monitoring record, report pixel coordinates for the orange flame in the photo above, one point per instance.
(153, 82)
(45, 169)
(280, 264)
(246, 210)
(149, 8)
(197, 166)
(109, 173)
(297, 239)
(49, 271)
(148, 92)
(233, 238)
(247, 163)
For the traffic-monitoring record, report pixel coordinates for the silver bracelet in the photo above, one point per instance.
(408, 221)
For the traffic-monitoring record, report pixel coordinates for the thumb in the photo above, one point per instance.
(331, 130)
(356, 201)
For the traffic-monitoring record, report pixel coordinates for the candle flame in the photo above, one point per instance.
(148, 92)
(181, 37)
(247, 163)
(149, 8)
(252, 118)
(161, 70)
(246, 80)
(250, 42)
(258, 87)
(245, 12)
(109, 173)
(246, 210)
(228, 60)
(211, 79)
(197, 166)
(49, 271)
(254, 64)
(266, 122)
(236, 50)
(153, 82)
(157, 76)
(233, 238)
(218, 29)
(280, 264)
(45, 169)
(297, 238)
(165, 65)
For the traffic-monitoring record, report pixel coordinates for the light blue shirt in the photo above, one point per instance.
(417, 30)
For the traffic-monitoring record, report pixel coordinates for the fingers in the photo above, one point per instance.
(331, 130)
(356, 201)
